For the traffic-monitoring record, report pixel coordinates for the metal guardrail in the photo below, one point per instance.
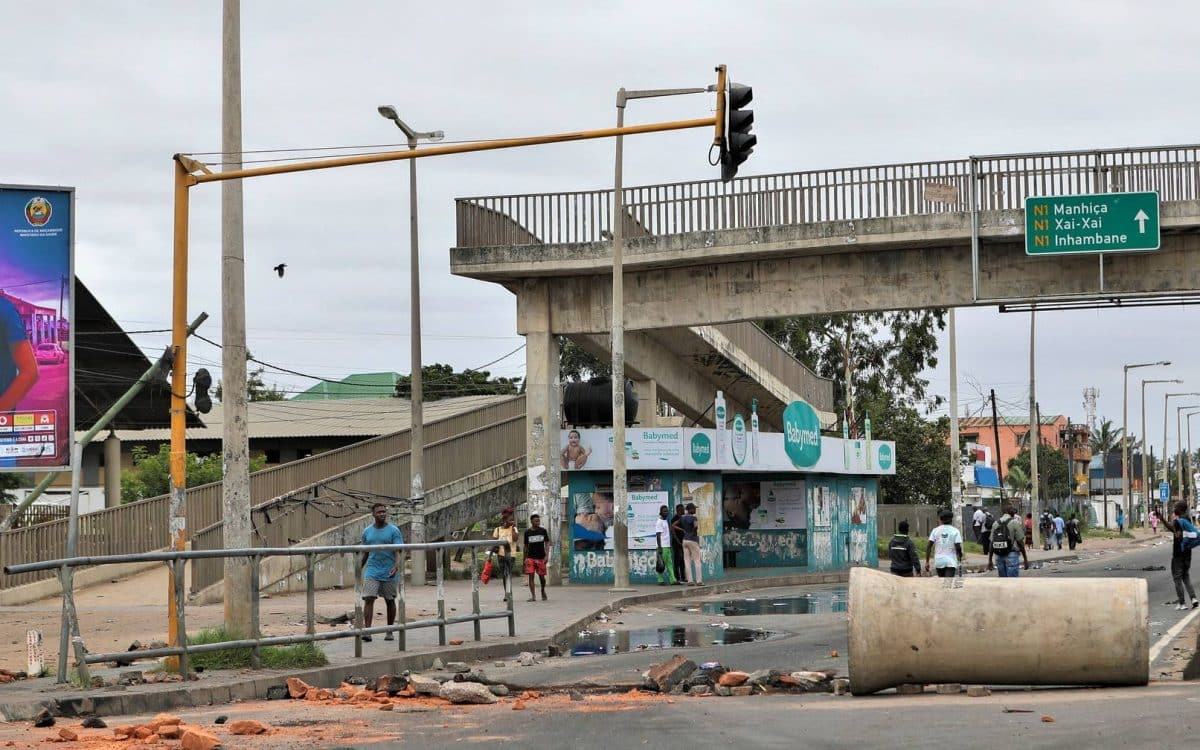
(142, 526)
(69, 632)
(850, 194)
(305, 512)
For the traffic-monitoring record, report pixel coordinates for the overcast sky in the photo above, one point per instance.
(100, 97)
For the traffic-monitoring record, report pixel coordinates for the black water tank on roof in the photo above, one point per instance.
(590, 404)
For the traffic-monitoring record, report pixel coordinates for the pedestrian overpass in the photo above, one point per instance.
(897, 236)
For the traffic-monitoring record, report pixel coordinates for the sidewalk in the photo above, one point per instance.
(109, 622)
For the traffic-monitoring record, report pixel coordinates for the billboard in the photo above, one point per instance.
(36, 353)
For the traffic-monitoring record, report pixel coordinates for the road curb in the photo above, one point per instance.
(149, 699)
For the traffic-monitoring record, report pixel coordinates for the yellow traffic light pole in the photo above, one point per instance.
(190, 172)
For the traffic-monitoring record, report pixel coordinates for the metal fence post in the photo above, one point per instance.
(358, 610)
(508, 599)
(475, 593)
(64, 627)
(401, 635)
(441, 598)
(179, 565)
(255, 623)
(310, 595)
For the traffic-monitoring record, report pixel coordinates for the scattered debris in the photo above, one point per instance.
(949, 688)
(343, 619)
(248, 727)
(221, 719)
(519, 706)
(666, 675)
(978, 691)
(458, 666)
(43, 719)
(500, 691)
(94, 722)
(70, 735)
(1016, 710)
(277, 692)
(1155, 567)
(466, 692)
(576, 695)
(527, 659)
(198, 739)
(909, 688)
(455, 641)
(841, 686)
(437, 664)
(1047, 719)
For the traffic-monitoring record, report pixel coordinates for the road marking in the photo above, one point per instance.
(1170, 634)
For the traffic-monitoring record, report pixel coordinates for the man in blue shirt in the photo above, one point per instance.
(18, 365)
(382, 567)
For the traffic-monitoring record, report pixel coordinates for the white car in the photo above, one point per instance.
(49, 352)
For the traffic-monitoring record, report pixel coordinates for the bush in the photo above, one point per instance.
(300, 656)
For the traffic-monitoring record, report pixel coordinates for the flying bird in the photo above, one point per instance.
(279, 269)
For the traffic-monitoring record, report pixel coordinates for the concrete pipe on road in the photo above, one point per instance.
(996, 631)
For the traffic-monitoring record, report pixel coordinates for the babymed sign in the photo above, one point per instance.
(801, 434)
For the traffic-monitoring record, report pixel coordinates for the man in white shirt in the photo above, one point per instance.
(945, 546)
(977, 523)
(662, 542)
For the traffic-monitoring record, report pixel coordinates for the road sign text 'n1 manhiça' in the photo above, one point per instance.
(1102, 223)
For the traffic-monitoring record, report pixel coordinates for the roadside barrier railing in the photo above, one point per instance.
(69, 635)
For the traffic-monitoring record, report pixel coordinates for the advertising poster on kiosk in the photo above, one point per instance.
(36, 353)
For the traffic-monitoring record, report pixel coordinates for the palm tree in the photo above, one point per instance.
(1103, 439)
(1017, 480)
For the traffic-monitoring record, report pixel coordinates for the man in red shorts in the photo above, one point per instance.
(537, 542)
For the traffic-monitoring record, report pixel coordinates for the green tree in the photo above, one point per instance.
(151, 472)
(256, 388)
(1054, 483)
(576, 364)
(923, 475)
(875, 353)
(441, 381)
(1103, 440)
(9, 481)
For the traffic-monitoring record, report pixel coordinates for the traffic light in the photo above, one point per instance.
(201, 382)
(739, 141)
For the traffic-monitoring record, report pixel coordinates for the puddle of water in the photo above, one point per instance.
(623, 641)
(815, 603)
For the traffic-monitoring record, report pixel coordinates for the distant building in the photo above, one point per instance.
(359, 385)
(42, 324)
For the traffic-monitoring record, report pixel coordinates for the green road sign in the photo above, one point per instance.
(1103, 223)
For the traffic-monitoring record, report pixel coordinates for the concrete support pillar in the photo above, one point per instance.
(647, 397)
(543, 415)
(112, 471)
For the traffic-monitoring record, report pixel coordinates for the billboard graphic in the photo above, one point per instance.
(36, 373)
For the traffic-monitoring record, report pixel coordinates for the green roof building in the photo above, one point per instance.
(359, 385)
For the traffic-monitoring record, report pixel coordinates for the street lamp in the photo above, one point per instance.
(1191, 476)
(620, 487)
(1179, 453)
(1126, 490)
(1146, 446)
(416, 410)
(1166, 399)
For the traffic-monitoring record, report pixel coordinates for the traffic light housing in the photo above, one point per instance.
(201, 382)
(739, 141)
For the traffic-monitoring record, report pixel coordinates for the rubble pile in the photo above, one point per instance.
(681, 676)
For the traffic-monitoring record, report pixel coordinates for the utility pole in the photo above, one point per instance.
(235, 436)
(956, 500)
(1035, 428)
(996, 438)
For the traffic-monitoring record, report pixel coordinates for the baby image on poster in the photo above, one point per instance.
(858, 505)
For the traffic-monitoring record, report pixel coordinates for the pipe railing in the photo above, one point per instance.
(256, 641)
(845, 194)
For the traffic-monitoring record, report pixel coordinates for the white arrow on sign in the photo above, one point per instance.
(1141, 219)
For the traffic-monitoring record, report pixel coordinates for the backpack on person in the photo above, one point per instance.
(1191, 539)
(1002, 541)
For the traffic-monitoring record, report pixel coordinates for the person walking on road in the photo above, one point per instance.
(1073, 535)
(988, 521)
(1006, 543)
(381, 568)
(662, 546)
(945, 546)
(1028, 530)
(677, 546)
(506, 550)
(1120, 521)
(1181, 559)
(689, 529)
(977, 520)
(1059, 527)
(1154, 521)
(537, 542)
(903, 553)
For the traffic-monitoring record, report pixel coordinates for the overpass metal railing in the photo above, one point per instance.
(849, 194)
(331, 501)
(142, 526)
(69, 631)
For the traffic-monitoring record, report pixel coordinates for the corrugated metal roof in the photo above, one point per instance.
(342, 418)
(359, 385)
(1005, 421)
